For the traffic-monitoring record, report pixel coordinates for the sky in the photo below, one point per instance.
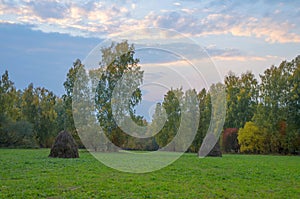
(40, 40)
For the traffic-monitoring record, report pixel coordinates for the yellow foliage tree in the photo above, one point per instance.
(251, 138)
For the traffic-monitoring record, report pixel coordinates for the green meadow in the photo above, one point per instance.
(31, 174)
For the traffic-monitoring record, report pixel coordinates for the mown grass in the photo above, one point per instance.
(31, 174)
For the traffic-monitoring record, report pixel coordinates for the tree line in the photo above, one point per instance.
(263, 114)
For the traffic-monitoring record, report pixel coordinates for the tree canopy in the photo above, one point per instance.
(263, 111)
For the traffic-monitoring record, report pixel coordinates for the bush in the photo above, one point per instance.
(18, 134)
(251, 138)
(229, 140)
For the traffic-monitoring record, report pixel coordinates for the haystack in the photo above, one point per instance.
(207, 149)
(64, 146)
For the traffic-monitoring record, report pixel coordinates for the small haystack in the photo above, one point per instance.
(64, 146)
(216, 151)
(207, 149)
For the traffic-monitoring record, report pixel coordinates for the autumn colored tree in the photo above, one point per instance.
(275, 99)
(251, 139)
(229, 140)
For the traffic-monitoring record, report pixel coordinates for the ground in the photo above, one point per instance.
(31, 174)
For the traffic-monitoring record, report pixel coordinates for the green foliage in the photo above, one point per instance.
(270, 104)
(32, 108)
(172, 107)
(190, 120)
(17, 134)
(9, 100)
(204, 101)
(158, 120)
(279, 104)
(46, 117)
(242, 98)
(37, 107)
(267, 113)
(67, 114)
(117, 62)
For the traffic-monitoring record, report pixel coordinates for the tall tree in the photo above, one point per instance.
(242, 98)
(67, 100)
(232, 91)
(292, 123)
(204, 121)
(9, 100)
(273, 95)
(189, 122)
(172, 105)
(29, 105)
(247, 98)
(118, 73)
(10, 112)
(46, 117)
(38, 108)
(158, 119)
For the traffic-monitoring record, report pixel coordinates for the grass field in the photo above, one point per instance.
(31, 174)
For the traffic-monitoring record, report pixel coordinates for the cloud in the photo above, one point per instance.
(242, 58)
(265, 28)
(213, 51)
(49, 9)
(91, 19)
(272, 22)
(167, 55)
(222, 24)
(232, 54)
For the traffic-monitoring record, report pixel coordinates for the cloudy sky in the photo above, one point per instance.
(39, 40)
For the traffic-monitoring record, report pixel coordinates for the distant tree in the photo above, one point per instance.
(189, 122)
(247, 98)
(18, 134)
(230, 140)
(172, 105)
(158, 119)
(14, 132)
(293, 107)
(218, 108)
(60, 111)
(9, 100)
(242, 98)
(232, 91)
(135, 143)
(69, 124)
(204, 101)
(118, 63)
(251, 139)
(217, 119)
(273, 109)
(38, 108)
(30, 106)
(46, 117)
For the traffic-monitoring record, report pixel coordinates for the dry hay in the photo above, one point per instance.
(207, 145)
(64, 146)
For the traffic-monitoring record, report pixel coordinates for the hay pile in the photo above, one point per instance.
(207, 149)
(64, 146)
